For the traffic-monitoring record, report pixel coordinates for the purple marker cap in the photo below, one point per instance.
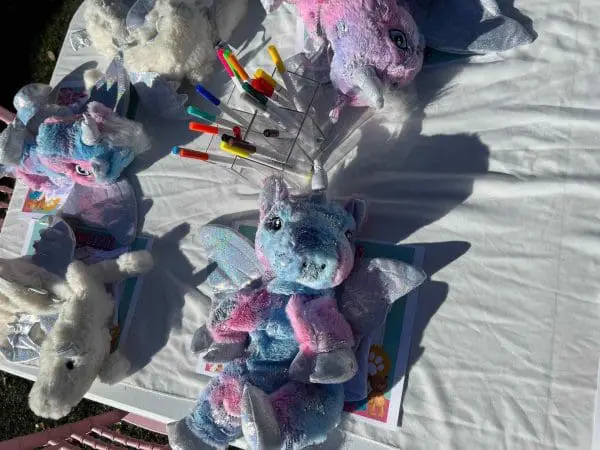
(207, 95)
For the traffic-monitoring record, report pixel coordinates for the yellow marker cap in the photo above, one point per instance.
(260, 73)
(237, 67)
(276, 57)
(234, 150)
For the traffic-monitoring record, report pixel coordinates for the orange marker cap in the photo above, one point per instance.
(237, 67)
(203, 128)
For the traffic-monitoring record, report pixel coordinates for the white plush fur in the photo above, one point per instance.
(27, 288)
(184, 46)
(77, 349)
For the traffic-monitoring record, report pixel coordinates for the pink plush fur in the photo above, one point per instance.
(318, 325)
(251, 308)
(228, 393)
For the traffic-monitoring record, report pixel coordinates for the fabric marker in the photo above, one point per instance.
(270, 113)
(269, 133)
(282, 113)
(232, 76)
(289, 86)
(265, 77)
(262, 86)
(211, 118)
(224, 161)
(219, 104)
(260, 73)
(235, 65)
(275, 166)
(234, 150)
(201, 156)
(238, 143)
(203, 128)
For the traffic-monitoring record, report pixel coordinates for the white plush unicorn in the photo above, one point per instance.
(77, 349)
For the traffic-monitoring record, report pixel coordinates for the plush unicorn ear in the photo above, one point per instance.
(358, 209)
(274, 190)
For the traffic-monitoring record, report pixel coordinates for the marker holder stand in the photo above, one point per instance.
(283, 154)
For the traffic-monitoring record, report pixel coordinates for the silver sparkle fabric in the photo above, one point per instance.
(79, 39)
(237, 263)
(372, 287)
(159, 95)
(469, 26)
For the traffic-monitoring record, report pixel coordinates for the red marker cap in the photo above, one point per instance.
(237, 132)
(187, 153)
(262, 86)
(203, 128)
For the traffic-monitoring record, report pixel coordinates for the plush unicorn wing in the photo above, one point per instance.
(113, 88)
(365, 299)
(372, 287)
(159, 94)
(237, 265)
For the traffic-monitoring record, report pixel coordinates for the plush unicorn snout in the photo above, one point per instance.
(320, 260)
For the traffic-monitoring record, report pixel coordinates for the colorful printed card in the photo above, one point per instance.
(390, 346)
(38, 204)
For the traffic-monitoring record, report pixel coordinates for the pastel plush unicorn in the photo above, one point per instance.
(50, 147)
(375, 44)
(287, 319)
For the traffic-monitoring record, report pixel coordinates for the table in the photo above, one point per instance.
(495, 171)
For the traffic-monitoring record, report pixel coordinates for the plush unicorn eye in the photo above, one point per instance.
(70, 365)
(274, 224)
(81, 171)
(399, 38)
(348, 235)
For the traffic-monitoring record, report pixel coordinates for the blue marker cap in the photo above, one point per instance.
(207, 95)
(175, 150)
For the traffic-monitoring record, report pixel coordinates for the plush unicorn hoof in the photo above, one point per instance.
(334, 367)
(182, 438)
(202, 340)
(259, 423)
(301, 367)
(222, 353)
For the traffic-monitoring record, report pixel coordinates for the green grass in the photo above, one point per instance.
(30, 30)
(51, 39)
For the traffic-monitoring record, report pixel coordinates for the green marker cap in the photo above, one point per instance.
(254, 93)
(198, 113)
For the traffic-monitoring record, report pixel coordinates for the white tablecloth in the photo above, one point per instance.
(496, 170)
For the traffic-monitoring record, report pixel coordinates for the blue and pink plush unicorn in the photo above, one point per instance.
(287, 318)
(52, 147)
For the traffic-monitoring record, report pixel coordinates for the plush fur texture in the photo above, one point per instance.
(77, 349)
(62, 148)
(26, 288)
(375, 44)
(184, 45)
(294, 346)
